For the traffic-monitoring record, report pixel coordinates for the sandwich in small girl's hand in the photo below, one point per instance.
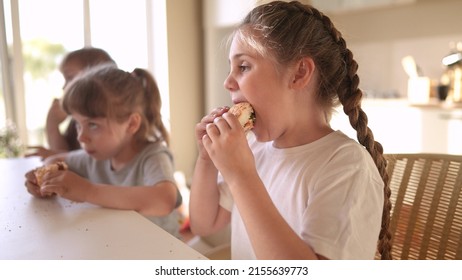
(245, 114)
(52, 167)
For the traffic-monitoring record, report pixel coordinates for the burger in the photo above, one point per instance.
(245, 114)
(49, 168)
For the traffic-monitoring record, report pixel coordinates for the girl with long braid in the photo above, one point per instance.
(125, 162)
(293, 188)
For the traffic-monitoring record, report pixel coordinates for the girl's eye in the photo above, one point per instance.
(92, 125)
(243, 67)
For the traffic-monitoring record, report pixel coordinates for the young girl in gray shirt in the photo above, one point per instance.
(125, 162)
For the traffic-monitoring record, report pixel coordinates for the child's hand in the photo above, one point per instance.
(66, 184)
(40, 151)
(32, 187)
(201, 129)
(56, 114)
(227, 146)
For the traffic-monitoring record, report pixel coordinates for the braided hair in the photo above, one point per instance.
(289, 31)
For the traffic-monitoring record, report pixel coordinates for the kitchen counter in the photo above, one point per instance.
(403, 127)
(391, 102)
(435, 104)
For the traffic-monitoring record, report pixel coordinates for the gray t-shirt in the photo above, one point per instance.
(151, 166)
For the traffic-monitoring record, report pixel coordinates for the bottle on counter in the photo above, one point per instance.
(453, 63)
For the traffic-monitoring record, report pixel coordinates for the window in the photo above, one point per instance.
(121, 32)
(4, 65)
(2, 99)
(48, 29)
(43, 46)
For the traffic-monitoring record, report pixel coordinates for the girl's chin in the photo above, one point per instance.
(95, 155)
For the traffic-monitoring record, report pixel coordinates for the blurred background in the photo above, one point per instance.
(182, 42)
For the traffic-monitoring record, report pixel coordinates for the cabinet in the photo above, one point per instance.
(404, 128)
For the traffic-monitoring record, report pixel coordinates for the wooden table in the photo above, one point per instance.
(33, 228)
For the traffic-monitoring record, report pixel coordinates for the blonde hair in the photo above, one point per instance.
(108, 92)
(285, 32)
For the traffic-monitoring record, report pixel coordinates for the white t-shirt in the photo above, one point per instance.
(329, 191)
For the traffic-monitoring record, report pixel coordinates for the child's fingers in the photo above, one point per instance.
(217, 112)
(35, 190)
(48, 190)
(30, 176)
(232, 120)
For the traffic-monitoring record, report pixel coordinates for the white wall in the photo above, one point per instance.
(185, 67)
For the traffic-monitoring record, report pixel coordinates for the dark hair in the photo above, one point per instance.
(87, 57)
(84, 59)
(108, 92)
(289, 31)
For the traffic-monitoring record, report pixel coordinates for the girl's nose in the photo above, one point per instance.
(230, 83)
(81, 136)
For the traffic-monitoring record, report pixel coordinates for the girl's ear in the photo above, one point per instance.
(303, 73)
(134, 123)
